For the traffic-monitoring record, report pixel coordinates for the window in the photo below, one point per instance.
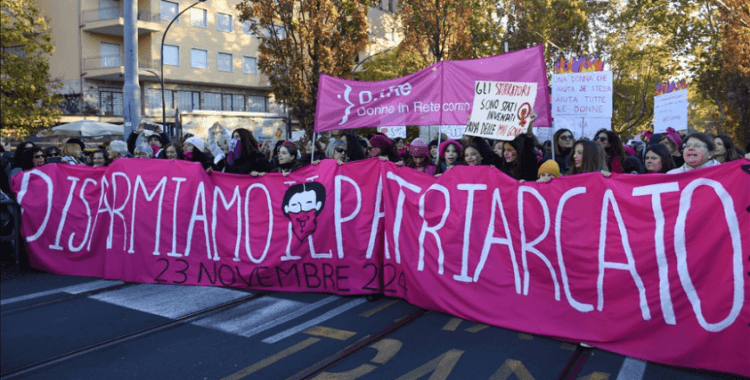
(188, 100)
(109, 55)
(171, 55)
(169, 10)
(246, 28)
(238, 103)
(256, 103)
(212, 101)
(198, 17)
(227, 102)
(275, 30)
(110, 102)
(153, 97)
(224, 22)
(224, 62)
(199, 58)
(250, 65)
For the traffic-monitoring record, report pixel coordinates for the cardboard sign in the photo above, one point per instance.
(670, 111)
(583, 127)
(582, 95)
(501, 110)
(393, 131)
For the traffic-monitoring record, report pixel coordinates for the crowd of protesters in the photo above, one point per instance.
(524, 158)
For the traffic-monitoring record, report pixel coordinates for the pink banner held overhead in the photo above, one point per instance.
(649, 266)
(440, 94)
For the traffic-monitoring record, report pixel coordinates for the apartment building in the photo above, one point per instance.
(210, 58)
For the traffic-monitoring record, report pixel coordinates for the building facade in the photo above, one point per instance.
(210, 58)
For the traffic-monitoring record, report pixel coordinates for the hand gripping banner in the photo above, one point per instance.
(441, 94)
(648, 266)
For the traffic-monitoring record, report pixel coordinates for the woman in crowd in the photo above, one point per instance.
(450, 155)
(612, 145)
(672, 140)
(563, 139)
(244, 157)
(497, 147)
(419, 157)
(29, 158)
(194, 151)
(156, 143)
(171, 151)
(143, 151)
(288, 159)
(725, 149)
(478, 152)
(587, 157)
(658, 159)
(698, 153)
(338, 151)
(381, 146)
(117, 149)
(632, 165)
(72, 152)
(21, 155)
(519, 158)
(547, 171)
(352, 147)
(99, 158)
(309, 156)
(52, 151)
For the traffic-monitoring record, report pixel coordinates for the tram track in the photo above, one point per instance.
(64, 299)
(129, 336)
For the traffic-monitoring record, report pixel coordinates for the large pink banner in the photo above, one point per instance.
(440, 94)
(649, 266)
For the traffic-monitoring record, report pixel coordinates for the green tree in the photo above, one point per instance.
(26, 96)
(301, 40)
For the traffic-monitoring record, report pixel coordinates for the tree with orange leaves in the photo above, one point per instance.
(736, 35)
(301, 40)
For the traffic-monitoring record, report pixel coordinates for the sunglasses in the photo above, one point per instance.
(602, 139)
(340, 150)
(566, 137)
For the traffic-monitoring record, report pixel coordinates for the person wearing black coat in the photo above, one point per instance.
(244, 156)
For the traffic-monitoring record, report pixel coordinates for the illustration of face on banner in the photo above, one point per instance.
(302, 204)
(501, 110)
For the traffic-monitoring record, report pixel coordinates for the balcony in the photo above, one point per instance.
(111, 67)
(110, 21)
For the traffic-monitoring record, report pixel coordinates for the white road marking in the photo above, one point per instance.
(260, 315)
(170, 301)
(73, 289)
(632, 369)
(287, 333)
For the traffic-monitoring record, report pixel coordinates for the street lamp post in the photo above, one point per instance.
(164, 36)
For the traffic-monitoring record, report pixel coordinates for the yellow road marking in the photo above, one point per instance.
(352, 374)
(596, 376)
(477, 328)
(440, 367)
(328, 332)
(370, 312)
(452, 325)
(387, 349)
(511, 367)
(272, 359)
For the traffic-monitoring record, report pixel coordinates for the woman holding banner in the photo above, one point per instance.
(587, 157)
(563, 140)
(698, 153)
(612, 145)
(658, 159)
(519, 157)
(418, 157)
(382, 147)
(244, 156)
(725, 150)
(450, 154)
(478, 152)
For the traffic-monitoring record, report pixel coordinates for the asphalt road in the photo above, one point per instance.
(61, 327)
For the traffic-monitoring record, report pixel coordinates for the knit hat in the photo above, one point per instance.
(674, 136)
(629, 151)
(418, 148)
(444, 146)
(119, 146)
(380, 141)
(196, 141)
(549, 167)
